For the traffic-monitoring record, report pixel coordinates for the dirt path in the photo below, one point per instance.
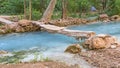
(104, 58)
(37, 65)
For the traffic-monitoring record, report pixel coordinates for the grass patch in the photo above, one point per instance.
(11, 59)
(40, 58)
(20, 55)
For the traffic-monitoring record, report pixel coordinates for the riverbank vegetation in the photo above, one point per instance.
(77, 8)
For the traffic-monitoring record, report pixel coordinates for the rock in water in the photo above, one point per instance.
(75, 48)
(3, 52)
(24, 22)
(101, 41)
(104, 17)
(94, 43)
(115, 17)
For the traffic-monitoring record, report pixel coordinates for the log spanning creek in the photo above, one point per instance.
(50, 45)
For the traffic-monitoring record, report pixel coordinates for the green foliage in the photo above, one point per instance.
(20, 55)
(11, 59)
(1, 24)
(78, 5)
(117, 6)
(84, 4)
(36, 15)
(113, 7)
(75, 7)
(57, 15)
(11, 7)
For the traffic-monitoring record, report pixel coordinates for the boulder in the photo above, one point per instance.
(75, 48)
(107, 20)
(12, 26)
(3, 52)
(115, 17)
(94, 43)
(19, 29)
(101, 41)
(104, 17)
(118, 19)
(110, 40)
(2, 31)
(24, 23)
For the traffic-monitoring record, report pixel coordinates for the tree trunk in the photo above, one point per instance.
(5, 21)
(30, 9)
(104, 3)
(25, 15)
(48, 12)
(64, 9)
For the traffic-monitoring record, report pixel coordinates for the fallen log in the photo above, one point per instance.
(52, 28)
(62, 30)
(77, 33)
(4, 21)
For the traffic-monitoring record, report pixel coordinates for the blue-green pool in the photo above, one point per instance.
(31, 40)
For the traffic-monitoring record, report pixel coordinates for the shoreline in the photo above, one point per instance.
(27, 26)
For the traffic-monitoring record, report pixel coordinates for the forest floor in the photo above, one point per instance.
(49, 64)
(103, 58)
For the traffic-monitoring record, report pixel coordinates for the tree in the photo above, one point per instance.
(25, 15)
(104, 4)
(48, 12)
(30, 9)
(64, 9)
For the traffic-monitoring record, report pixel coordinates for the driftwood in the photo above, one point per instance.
(77, 33)
(4, 21)
(62, 30)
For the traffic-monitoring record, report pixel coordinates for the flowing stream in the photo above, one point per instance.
(51, 45)
(31, 40)
(112, 28)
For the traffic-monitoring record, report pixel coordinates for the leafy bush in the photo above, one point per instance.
(36, 15)
(75, 7)
(11, 7)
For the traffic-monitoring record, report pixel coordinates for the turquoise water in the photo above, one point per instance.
(112, 28)
(44, 41)
(34, 40)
